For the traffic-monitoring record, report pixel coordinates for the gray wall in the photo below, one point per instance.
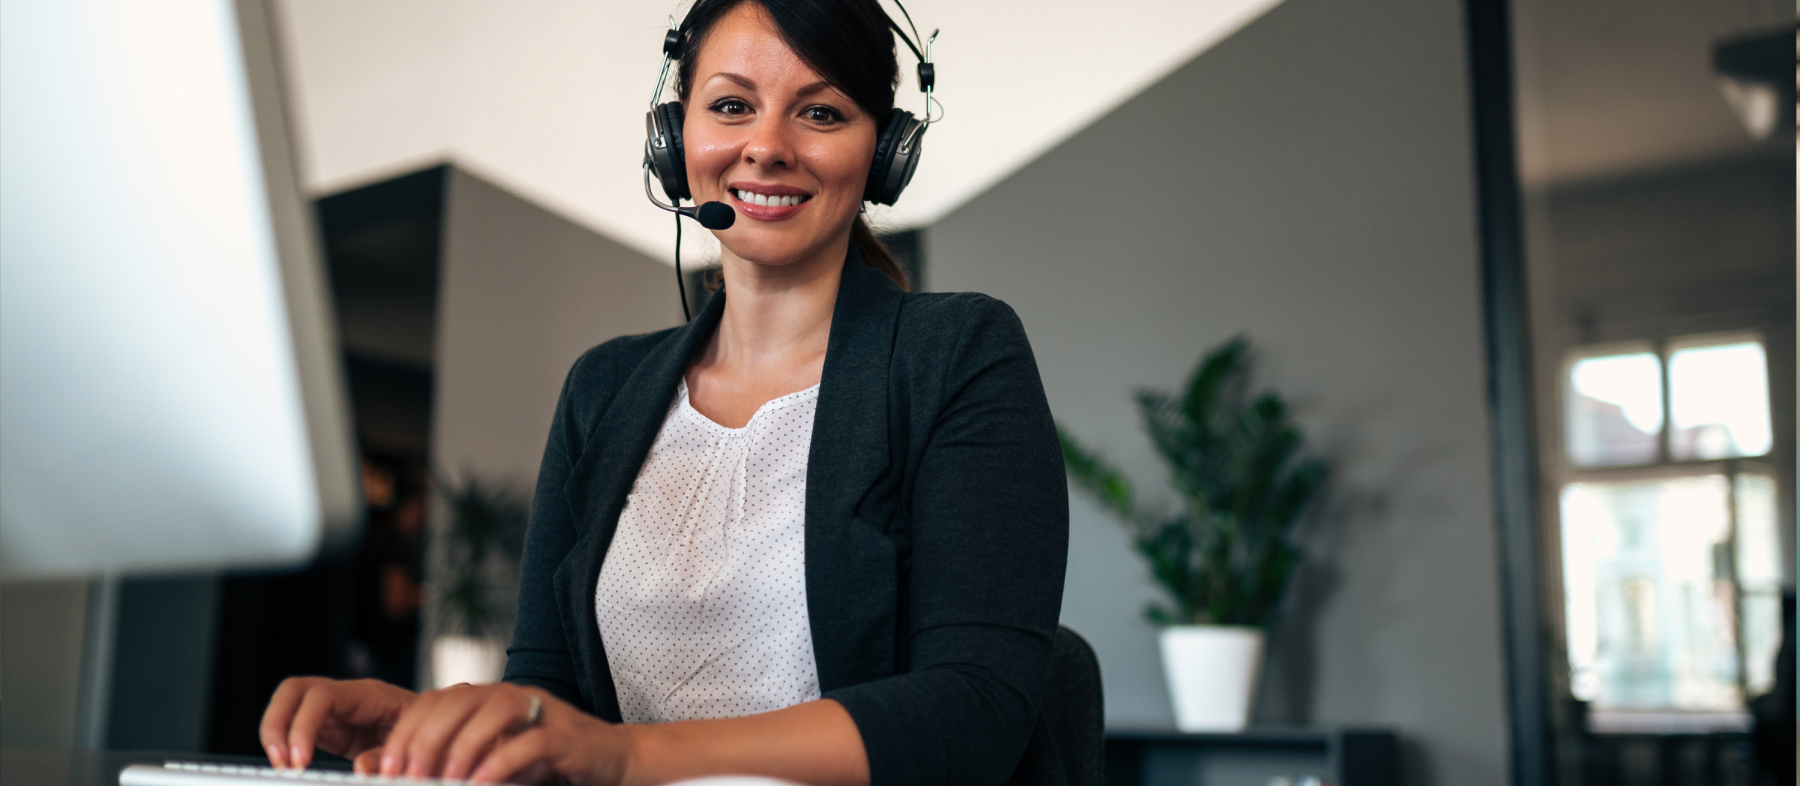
(1307, 182)
(41, 632)
(524, 293)
(107, 663)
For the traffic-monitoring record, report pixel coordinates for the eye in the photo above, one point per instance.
(822, 114)
(730, 106)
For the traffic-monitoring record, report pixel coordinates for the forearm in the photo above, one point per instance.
(815, 743)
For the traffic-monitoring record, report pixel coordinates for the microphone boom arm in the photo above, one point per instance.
(657, 202)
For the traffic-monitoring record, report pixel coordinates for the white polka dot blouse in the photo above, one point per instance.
(702, 597)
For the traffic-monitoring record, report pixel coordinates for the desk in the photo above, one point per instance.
(1340, 757)
(64, 767)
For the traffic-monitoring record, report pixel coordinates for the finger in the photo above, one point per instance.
(393, 756)
(425, 749)
(512, 756)
(504, 710)
(315, 708)
(367, 762)
(279, 716)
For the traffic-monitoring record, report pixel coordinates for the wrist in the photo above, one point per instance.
(639, 747)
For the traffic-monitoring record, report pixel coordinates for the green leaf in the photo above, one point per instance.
(1229, 556)
(483, 538)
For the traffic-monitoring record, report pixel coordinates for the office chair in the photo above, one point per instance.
(1074, 710)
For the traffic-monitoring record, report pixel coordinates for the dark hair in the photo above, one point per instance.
(848, 43)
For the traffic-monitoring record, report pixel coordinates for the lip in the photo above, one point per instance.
(765, 212)
(772, 189)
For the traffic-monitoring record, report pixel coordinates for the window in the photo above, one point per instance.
(1719, 401)
(1671, 563)
(1615, 409)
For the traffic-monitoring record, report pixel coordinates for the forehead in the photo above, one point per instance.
(746, 42)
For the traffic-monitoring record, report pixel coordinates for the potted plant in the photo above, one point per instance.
(1225, 557)
(479, 559)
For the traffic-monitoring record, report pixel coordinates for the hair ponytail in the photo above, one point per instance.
(874, 254)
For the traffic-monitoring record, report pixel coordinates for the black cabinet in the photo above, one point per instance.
(1258, 757)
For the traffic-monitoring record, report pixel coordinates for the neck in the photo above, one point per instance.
(778, 316)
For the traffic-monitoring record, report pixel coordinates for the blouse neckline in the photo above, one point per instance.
(779, 402)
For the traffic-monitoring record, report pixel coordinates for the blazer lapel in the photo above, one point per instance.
(599, 483)
(850, 563)
(851, 609)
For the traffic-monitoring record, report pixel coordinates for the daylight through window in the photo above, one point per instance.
(1671, 561)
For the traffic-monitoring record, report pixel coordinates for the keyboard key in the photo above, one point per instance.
(187, 773)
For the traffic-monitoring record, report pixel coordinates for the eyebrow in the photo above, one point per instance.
(747, 83)
(750, 84)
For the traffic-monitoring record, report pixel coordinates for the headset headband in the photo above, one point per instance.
(927, 70)
(897, 143)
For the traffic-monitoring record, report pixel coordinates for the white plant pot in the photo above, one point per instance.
(457, 659)
(1212, 672)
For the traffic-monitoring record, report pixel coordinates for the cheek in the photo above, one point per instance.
(709, 152)
(841, 165)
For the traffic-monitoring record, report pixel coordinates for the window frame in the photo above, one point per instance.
(1664, 467)
(1663, 348)
(1565, 396)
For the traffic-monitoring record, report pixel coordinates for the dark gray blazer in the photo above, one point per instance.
(936, 527)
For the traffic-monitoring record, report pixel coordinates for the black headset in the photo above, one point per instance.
(897, 148)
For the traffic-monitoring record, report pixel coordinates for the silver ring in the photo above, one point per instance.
(536, 713)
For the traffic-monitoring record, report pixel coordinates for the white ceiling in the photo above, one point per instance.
(547, 98)
(1610, 87)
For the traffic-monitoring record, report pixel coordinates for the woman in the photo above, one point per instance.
(818, 533)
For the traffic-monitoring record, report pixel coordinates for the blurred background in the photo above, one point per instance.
(1589, 583)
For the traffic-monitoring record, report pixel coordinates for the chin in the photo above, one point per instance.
(773, 245)
(772, 252)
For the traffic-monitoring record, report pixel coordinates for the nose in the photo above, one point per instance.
(770, 145)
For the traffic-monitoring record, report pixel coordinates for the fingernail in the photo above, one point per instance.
(275, 758)
(295, 761)
(387, 764)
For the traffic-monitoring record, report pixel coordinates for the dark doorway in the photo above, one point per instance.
(353, 614)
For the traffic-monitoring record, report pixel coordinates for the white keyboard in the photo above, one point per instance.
(187, 773)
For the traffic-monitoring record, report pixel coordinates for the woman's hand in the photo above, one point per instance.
(484, 733)
(344, 717)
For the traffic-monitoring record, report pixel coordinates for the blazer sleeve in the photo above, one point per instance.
(989, 543)
(541, 654)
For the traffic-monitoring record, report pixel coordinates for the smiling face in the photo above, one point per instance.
(765, 134)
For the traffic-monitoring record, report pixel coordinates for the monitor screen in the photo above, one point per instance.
(170, 389)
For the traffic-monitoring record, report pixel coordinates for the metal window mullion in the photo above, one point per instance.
(1665, 453)
(1731, 577)
(1639, 473)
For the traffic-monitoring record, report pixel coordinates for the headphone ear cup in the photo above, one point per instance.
(664, 151)
(896, 158)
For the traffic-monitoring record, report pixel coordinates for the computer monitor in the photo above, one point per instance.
(170, 387)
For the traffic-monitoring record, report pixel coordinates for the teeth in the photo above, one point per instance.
(753, 198)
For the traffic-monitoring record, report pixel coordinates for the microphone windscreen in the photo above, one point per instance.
(716, 215)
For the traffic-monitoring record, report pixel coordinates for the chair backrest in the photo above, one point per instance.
(1074, 708)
